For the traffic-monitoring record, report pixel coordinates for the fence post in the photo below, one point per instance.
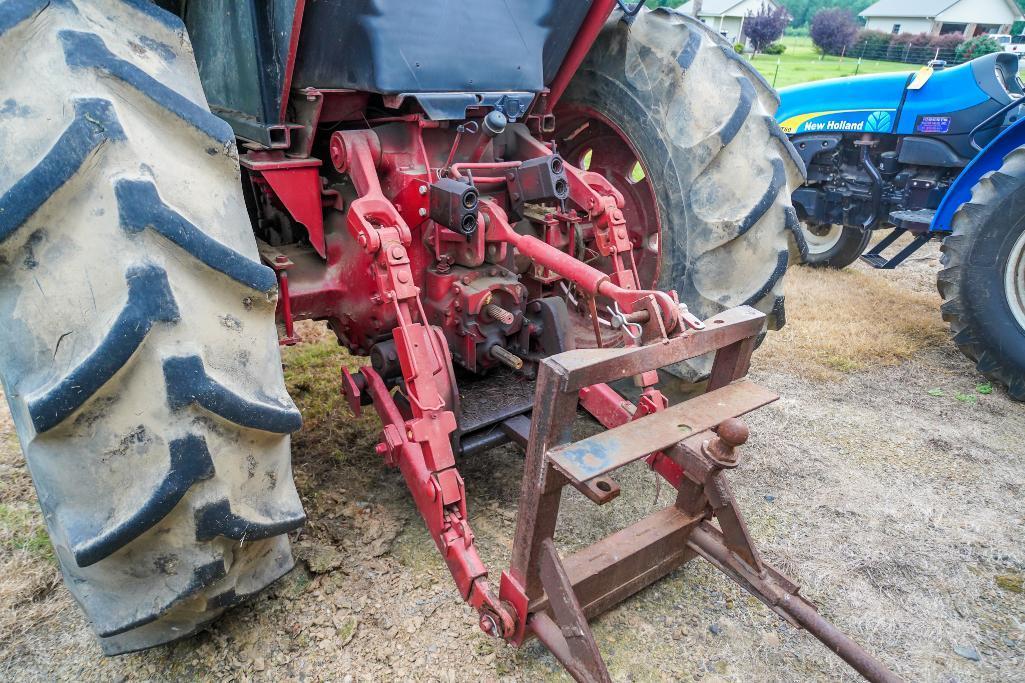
(907, 51)
(843, 51)
(858, 67)
(779, 60)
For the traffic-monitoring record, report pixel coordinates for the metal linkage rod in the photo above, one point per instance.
(710, 546)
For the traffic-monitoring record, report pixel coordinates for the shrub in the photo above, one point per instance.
(738, 48)
(946, 41)
(910, 47)
(766, 26)
(976, 47)
(775, 49)
(833, 29)
(873, 43)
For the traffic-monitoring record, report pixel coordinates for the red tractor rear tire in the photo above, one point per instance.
(716, 172)
(140, 356)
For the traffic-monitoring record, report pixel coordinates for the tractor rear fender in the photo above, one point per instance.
(989, 159)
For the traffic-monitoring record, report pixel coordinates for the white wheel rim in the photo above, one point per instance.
(821, 238)
(1014, 280)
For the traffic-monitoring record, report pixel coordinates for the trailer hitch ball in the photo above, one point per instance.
(721, 449)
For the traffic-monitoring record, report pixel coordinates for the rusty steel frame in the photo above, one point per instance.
(691, 445)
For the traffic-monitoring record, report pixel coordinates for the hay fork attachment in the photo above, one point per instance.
(691, 445)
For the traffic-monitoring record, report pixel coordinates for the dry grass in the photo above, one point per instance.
(30, 590)
(844, 321)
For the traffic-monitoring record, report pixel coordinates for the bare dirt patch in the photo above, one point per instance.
(895, 503)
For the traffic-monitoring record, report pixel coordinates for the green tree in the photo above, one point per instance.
(803, 10)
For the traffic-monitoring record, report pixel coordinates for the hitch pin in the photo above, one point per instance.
(619, 320)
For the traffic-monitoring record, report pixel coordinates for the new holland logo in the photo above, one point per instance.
(850, 121)
(879, 122)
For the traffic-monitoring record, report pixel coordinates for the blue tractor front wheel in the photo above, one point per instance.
(834, 246)
(983, 279)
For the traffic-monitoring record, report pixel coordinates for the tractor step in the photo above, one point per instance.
(916, 220)
(874, 256)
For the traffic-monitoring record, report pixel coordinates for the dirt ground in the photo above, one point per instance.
(887, 481)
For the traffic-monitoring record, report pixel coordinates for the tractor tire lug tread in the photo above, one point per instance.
(141, 362)
(701, 120)
(971, 282)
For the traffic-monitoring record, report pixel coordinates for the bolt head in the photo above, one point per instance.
(489, 625)
(422, 212)
(422, 189)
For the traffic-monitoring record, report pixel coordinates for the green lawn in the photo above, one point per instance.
(800, 64)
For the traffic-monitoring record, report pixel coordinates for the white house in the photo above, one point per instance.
(967, 17)
(726, 16)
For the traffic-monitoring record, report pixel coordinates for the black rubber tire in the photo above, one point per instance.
(848, 248)
(140, 359)
(701, 121)
(988, 232)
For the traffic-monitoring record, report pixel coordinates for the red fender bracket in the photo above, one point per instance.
(296, 184)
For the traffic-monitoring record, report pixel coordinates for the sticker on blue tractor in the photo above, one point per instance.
(933, 124)
(851, 121)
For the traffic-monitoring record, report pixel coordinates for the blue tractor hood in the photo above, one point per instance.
(927, 102)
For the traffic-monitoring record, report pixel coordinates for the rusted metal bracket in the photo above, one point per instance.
(691, 445)
(567, 635)
(280, 264)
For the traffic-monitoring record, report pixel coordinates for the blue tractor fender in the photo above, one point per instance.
(989, 159)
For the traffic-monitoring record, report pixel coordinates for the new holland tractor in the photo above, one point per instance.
(522, 200)
(902, 152)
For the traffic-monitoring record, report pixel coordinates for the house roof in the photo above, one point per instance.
(927, 9)
(715, 8)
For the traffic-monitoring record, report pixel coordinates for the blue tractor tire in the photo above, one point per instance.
(983, 280)
(834, 246)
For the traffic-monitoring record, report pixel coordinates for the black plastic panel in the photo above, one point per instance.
(241, 49)
(922, 151)
(402, 46)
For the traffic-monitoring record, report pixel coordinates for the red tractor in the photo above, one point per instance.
(525, 200)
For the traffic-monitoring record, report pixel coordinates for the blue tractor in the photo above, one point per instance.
(937, 154)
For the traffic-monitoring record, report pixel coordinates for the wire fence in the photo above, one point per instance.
(904, 53)
(863, 57)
